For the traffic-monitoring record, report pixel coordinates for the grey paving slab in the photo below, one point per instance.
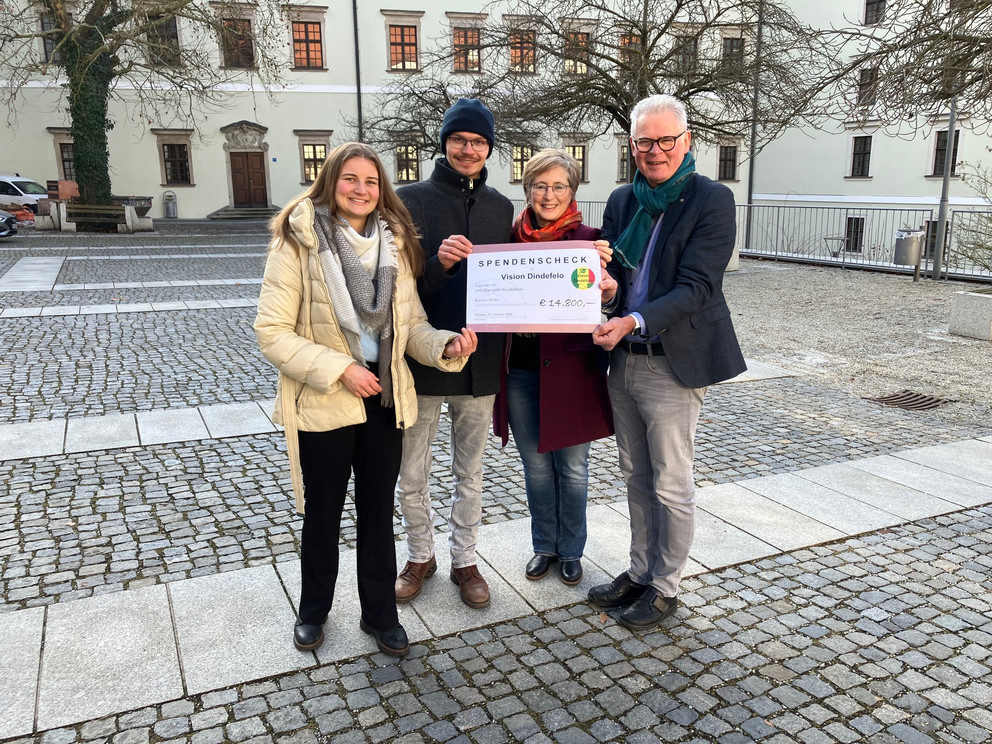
(101, 432)
(608, 545)
(202, 304)
(19, 662)
(99, 285)
(893, 497)
(234, 627)
(849, 515)
(507, 547)
(32, 439)
(235, 419)
(768, 520)
(135, 307)
(97, 309)
(934, 482)
(758, 371)
(21, 312)
(343, 638)
(986, 439)
(32, 275)
(161, 306)
(170, 425)
(971, 459)
(440, 607)
(107, 654)
(717, 543)
(60, 310)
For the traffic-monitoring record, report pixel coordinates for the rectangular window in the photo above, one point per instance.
(308, 48)
(579, 153)
(623, 162)
(861, 157)
(521, 154)
(685, 54)
(68, 161)
(732, 57)
(523, 51)
(403, 48)
(239, 50)
(468, 50)
(176, 160)
(854, 235)
(576, 57)
(867, 86)
(727, 164)
(314, 156)
(52, 55)
(940, 154)
(162, 38)
(874, 12)
(407, 163)
(630, 50)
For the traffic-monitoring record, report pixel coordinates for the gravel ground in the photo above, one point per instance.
(868, 333)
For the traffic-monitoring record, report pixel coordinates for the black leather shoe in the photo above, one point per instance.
(538, 566)
(391, 642)
(307, 637)
(649, 610)
(571, 572)
(618, 593)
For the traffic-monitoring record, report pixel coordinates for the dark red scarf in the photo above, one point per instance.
(525, 232)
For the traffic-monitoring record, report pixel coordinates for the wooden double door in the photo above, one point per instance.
(248, 179)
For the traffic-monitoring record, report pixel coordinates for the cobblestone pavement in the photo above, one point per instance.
(883, 638)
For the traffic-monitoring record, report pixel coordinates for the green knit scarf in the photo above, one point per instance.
(653, 201)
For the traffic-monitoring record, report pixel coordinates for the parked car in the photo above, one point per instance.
(8, 224)
(20, 190)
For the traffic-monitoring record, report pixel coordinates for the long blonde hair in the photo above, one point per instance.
(390, 207)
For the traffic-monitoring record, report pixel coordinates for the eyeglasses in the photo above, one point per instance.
(559, 189)
(476, 144)
(644, 144)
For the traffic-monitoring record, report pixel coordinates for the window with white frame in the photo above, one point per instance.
(466, 41)
(407, 157)
(685, 54)
(306, 28)
(519, 156)
(175, 156)
(50, 41)
(65, 156)
(314, 145)
(874, 12)
(579, 151)
(732, 55)
(523, 51)
(867, 86)
(402, 39)
(631, 49)
(575, 57)
(940, 153)
(727, 163)
(623, 159)
(861, 156)
(162, 39)
(237, 44)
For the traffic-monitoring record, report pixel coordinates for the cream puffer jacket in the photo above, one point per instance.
(299, 333)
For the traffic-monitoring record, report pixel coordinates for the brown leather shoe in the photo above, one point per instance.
(411, 579)
(472, 587)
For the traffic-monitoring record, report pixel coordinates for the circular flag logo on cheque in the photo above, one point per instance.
(583, 278)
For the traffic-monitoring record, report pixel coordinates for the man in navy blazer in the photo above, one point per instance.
(671, 335)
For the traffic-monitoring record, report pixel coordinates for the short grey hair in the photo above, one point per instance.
(547, 159)
(657, 104)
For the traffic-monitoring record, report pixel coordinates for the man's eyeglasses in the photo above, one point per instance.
(644, 144)
(559, 189)
(476, 144)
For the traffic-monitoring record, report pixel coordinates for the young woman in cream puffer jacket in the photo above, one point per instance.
(337, 313)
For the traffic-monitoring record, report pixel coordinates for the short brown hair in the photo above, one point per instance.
(547, 159)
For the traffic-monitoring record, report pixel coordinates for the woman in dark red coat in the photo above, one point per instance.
(553, 395)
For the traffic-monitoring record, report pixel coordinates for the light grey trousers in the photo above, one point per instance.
(470, 420)
(655, 418)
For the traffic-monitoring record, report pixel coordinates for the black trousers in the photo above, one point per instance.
(372, 451)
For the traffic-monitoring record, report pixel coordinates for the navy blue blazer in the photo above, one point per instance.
(685, 304)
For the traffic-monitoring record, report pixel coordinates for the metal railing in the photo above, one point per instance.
(969, 252)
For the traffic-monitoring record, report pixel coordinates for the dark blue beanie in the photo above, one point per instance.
(469, 115)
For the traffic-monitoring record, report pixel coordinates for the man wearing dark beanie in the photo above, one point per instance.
(452, 210)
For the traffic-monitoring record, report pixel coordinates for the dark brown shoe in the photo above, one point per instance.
(472, 587)
(411, 579)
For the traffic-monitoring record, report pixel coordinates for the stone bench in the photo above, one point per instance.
(971, 314)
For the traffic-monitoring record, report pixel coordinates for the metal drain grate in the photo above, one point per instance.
(912, 401)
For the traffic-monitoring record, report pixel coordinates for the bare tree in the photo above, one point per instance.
(972, 233)
(93, 51)
(578, 66)
(909, 58)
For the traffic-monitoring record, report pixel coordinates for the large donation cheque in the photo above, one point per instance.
(534, 287)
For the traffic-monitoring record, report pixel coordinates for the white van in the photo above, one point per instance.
(19, 190)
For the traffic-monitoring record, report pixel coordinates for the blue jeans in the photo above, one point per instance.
(557, 482)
